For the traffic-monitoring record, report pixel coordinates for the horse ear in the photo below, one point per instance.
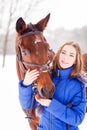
(42, 23)
(20, 25)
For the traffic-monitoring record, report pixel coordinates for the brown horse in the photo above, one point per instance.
(84, 59)
(32, 52)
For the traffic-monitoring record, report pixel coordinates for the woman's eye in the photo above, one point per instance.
(63, 52)
(72, 55)
(25, 53)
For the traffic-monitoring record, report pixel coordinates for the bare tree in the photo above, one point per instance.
(11, 12)
(32, 4)
(1, 19)
(14, 12)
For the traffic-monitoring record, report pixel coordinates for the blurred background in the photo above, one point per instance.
(68, 22)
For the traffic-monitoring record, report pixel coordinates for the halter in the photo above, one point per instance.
(29, 33)
(42, 68)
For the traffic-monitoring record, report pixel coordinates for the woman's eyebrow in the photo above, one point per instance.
(63, 50)
(72, 53)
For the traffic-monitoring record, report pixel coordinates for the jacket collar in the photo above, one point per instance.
(64, 73)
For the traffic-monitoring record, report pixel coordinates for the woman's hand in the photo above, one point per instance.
(42, 101)
(30, 76)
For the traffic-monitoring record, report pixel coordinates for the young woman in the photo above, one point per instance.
(66, 110)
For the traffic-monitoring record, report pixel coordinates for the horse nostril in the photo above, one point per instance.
(43, 91)
(47, 94)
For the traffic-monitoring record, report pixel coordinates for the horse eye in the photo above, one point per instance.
(25, 53)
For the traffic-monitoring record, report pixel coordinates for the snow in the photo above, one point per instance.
(11, 115)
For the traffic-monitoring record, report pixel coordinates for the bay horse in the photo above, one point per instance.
(33, 51)
(84, 60)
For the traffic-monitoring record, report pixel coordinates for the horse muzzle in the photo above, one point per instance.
(46, 93)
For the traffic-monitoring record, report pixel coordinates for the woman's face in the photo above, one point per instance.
(67, 56)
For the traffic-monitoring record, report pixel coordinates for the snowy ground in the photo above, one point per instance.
(11, 114)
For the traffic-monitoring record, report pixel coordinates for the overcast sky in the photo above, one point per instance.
(64, 13)
(67, 13)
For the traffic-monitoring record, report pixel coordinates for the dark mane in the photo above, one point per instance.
(30, 28)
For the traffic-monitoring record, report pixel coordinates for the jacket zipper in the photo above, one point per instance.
(50, 121)
(51, 113)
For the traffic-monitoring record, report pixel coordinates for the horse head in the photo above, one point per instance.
(32, 52)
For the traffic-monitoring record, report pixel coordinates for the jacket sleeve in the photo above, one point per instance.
(74, 115)
(25, 95)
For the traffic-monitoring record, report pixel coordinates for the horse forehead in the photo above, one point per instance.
(39, 38)
(35, 39)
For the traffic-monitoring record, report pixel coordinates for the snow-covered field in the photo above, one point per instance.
(11, 114)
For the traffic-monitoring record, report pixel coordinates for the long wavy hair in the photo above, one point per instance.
(78, 63)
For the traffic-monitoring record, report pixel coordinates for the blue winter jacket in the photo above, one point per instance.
(60, 115)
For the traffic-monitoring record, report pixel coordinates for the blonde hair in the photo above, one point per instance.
(78, 62)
